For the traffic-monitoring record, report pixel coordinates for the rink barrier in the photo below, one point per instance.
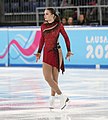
(89, 45)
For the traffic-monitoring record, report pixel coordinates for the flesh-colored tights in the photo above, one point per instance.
(51, 76)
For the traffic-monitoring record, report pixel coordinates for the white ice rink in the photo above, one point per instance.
(24, 95)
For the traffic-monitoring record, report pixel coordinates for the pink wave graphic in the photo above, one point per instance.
(27, 51)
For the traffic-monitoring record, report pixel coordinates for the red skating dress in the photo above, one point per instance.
(49, 39)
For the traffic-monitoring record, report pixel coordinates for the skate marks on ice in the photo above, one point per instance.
(24, 95)
(45, 114)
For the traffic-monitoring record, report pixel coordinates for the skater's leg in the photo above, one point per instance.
(55, 74)
(47, 71)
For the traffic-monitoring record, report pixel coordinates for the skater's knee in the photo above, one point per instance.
(47, 77)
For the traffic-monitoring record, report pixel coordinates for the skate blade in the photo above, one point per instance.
(51, 108)
(67, 100)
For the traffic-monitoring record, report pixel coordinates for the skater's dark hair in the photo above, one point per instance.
(52, 11)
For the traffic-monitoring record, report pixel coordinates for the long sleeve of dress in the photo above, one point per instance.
(41, 43)
(66, 38)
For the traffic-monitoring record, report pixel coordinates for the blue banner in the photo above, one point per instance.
(3, 47)
(89, 45)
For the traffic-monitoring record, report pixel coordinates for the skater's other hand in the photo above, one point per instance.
(69, 54)
(38, 55)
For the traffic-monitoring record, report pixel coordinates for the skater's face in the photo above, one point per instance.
(48, 16)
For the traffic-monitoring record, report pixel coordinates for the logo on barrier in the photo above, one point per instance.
(97, 47)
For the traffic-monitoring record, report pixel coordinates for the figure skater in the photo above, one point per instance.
(52, 53)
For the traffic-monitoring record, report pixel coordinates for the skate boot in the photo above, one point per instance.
(51, 102)
(63, 101)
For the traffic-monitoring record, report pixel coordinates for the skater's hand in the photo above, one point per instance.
(38, 55)
(69, 55)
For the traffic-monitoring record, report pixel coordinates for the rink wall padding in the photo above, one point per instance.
(89, 45)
